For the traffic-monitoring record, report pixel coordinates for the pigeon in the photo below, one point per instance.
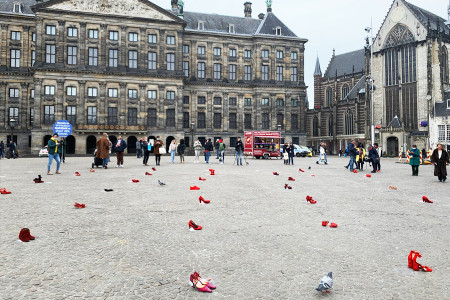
(160, 182)
(309, 168)
(326, 283)
(247, 163)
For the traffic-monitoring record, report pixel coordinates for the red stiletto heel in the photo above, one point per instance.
(200, 199)
(135, 180)
(291, 179)
(194, 188)
(77, 174)
(300, 170)
(154, 169)
(426, 200)
(275, 173)
(202, 179)
(425, 268)
(325, 223)
(333, 225)
(202, 281)
(148, 174)
(194, 226)
(198, 285)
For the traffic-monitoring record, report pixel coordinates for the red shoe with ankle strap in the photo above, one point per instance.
(24, 235)
(148, 174)
(203, 281)
(194, 188)
(77, 174)
(425, 268)
(286, 186)
(291, 179)
(415, 264)
(212, 172)
(202, 179)
(201, 199)
(368, 175)
(198, 284)
(426, 200)
(275, 173)
(4, 191)
(325, 223)
(79, 205)
(194, 226)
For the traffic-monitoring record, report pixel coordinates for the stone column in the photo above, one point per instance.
(102, 51)
(25, 53)
(38, 92)
(103, 105)
(273, 110)
(123, 104)
(59, 99)
(179, 109)
(240, 112)
(161, 65)
(225, 113)
(123, 53)
(4, 45)
(81, 104)
(141, 49)
(82, 50)
(209, 111)
(160, 112)
(257, 110)
(3, 113)
(60, 44)
(23, 105)
(143, 105)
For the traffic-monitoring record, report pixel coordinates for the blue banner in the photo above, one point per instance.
(63, 128)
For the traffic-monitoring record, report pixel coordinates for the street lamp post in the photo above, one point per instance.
(192, 133)
(371, 81)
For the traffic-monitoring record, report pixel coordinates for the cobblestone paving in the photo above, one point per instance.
(259, 241)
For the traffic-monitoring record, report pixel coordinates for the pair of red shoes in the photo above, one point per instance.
(212, 171)
(275, 173)
(413, 264)
(78, 205)
(148, 174)
(201, 199)
(77, 174)
(202, 285)
(25, 235)
(332, 225)
(38, 179)
(291, 179)
(194, 226)
(135, 180)
(426, 200)
(300, 170)
(4, 191)
(310, 199)
(194, 188)
(355, 171)
(202, 179)
(287, 186)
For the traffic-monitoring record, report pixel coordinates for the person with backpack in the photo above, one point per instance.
(221, 151)
(120, 147)
(180, 149)
(208, 149)
(239, 150)
(54, 150)
(351, 151)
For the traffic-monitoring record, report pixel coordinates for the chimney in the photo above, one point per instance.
(261, 16)
(175, 7)
(248, 9)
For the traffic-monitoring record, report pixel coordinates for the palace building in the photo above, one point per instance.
(134, 69)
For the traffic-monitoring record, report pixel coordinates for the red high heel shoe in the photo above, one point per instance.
(275, 173)
(92, 170)
(425, 268)
(28, 234)
(194, 226)
(4, 191)
(202, 179)
(148, 174)
(415, 264)
(154, 169)
(38, 179)
(135, 180)
(368, 175)
(197, 284)
(212, 172)
(200, 199)
(77, 174)
(355, 171)
(325, 223)
(194, 188)
(286, 186)
(410, 259)
(333, 225)
(24, 235)
(300, 170)
(426, 200)
(78, 205)
(203, 281)
(291, 179)
(393, 188)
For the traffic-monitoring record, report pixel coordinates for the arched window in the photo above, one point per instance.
(345, 91)
(330, 126)
(349, 126)
(444, 64)
(329, 97)
(316, 126)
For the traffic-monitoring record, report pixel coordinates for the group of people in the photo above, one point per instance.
(439, 158)
(357, 154)
(12, 149)
(288, 153)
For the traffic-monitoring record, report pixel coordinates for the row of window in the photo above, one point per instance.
(329, 94)
(349, 125)
(112, 117)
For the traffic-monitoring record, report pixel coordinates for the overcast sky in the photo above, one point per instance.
(327, 24)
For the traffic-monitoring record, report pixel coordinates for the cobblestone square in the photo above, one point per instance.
(259, 240)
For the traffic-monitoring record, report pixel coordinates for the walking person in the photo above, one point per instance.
(375, 157)
(173, 150)
(197, 148)
(222, 147)
(2, 150)
(139, 148)
(291, 154)
(239, 150)
(217, 148)
(208, 149)
(12, 149)
(440, 160)
(360, 154)
(180, 149)
(120, 147)
(351, 151)
(322, 154)
(414, 160)
(147, 148)
(103, 150)
(158, 144)
(54, 149)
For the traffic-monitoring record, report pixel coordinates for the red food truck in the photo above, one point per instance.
(263, 144)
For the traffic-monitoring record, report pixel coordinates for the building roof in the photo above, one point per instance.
(318, 71)
(395, 123)
(440, 108)
(346, 64)
(359, 87)
(270, 23)
(221, 23)
(6, 6)
(424, 16)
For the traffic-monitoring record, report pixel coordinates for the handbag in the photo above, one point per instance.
(162, 150)
(322, 156)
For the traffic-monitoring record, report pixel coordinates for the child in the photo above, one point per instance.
(286, 157)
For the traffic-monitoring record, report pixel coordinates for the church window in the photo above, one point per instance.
(329, 96)
(345, 91)
(444, 64)
(316, 126)
(349, 123)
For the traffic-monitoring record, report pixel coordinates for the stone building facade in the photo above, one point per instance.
(341, 108)
(135, 69)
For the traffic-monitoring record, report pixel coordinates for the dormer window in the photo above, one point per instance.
(231, 28)
(278, 30)
(201, 25)
(17, 8)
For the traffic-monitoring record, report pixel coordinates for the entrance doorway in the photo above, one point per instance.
(91, 144)
(131, 144)
(392, 146)
(70, 144)
(168, 141)
(46, 139)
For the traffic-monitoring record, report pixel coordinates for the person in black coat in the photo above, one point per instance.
(291, 153)
(180, 149)
(208, 149)
(239, 150)
(375, 157)
(440, 159)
